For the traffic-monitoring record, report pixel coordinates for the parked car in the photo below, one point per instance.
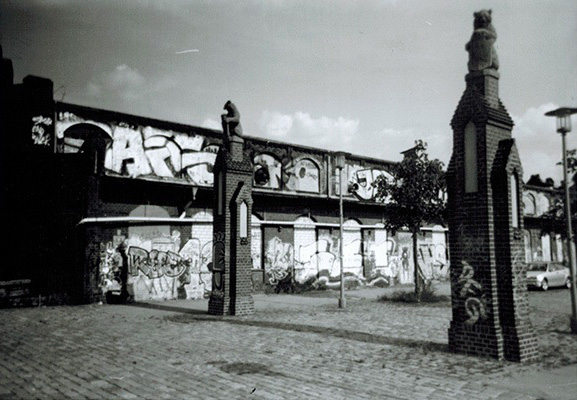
(546, 274)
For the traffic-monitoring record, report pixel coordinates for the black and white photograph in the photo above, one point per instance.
(288, 199)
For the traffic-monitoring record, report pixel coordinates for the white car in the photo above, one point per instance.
(546, 274)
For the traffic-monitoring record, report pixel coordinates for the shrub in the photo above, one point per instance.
(352, 284)
(428, 295)
(313, 283)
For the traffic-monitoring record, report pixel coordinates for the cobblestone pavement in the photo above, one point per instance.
(296, 350)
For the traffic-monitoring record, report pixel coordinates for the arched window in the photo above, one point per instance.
(243, 215)
(267, 171)
(514, 188)
(544, 204)
(303, 176)
(529, 204)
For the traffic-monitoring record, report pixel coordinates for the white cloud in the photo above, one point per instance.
(212, 124)
(302, 128)
(123, 75)
(538, 143)
(123, 81)
(275, 124)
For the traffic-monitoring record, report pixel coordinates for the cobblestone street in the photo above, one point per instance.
(293, 347)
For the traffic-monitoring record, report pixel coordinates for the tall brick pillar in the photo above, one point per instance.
(488, 291)
(231, 262)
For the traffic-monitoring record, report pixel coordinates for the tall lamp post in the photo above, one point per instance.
(563, 127)
(340, 158)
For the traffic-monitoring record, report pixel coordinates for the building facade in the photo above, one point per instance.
(94, 198)
(543, 237)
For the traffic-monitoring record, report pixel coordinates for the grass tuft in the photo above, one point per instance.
(428, 295)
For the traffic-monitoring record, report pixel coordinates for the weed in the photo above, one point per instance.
(428, 295)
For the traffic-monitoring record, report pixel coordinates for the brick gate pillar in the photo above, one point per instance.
(488, 291)
(231, 257)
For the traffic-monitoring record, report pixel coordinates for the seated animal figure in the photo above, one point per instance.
(482, 54)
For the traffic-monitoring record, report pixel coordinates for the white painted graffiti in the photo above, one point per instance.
(218, 264)
(278, 260)
(141, 151)
(150, 151)
(434, 257)
(474, 304)
(296, 175)
(40, 135)
(155, 271)
(360, 180)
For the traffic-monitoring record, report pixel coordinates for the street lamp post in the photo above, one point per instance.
(340, 158)
(563, 127)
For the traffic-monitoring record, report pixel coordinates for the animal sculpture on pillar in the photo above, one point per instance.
(482, 53)
(230, 123)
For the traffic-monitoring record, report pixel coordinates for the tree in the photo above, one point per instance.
(555, 216)
(414, 196)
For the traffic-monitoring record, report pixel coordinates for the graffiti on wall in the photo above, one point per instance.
(148, 151)
(316, 259)
(400, 257)
(472, 292)
(145, 151)
(218, 265)
(267, 171)
(382, 263)
(295, 175)
(41, 135)
(301, 176)
(320, 260)
(110, 267)
(372, 259)
(279, 260)
(156, 263)
(158, 268)
(468, 288)
(434, 260)
(362, 180)
(358, 180)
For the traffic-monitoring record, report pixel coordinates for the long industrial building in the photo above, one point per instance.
(86, 191)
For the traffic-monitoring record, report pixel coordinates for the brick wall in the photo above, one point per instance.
(486, 251)
(235, 170)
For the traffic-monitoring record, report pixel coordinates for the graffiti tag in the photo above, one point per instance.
(474, 306)
(40, 135)
(156, 263)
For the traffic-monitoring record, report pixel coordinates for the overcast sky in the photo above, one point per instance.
(367, 77)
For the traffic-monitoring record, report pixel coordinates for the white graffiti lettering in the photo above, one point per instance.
(39, 134)
(474, 305)
(160, 153)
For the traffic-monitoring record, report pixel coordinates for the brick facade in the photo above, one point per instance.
(232, 261)
(485, 237)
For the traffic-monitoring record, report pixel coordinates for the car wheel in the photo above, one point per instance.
(545, 285)
(568, 283)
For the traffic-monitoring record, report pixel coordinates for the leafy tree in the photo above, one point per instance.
(556, 213)
(571, 161)
(413, 197)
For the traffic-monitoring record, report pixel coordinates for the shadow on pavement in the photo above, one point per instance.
(176, 309)
(187, 315)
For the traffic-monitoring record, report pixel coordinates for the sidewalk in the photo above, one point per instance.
(292, 347)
